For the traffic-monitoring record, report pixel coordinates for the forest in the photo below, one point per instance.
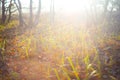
(59, 40)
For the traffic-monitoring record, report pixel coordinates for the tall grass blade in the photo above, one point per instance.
(57, 75)
(74, 70)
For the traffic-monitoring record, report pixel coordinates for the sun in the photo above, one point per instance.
(72, 5)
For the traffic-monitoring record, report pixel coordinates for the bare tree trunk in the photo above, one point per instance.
(31, 14)
(94, 14)
(20, 13)
(37, 19)
(106, 6)
(9, 17)
(0, 7)
(3, 11)
(52, 12)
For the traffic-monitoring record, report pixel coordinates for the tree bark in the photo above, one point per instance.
(0, 7)
(9, 17)
(37, 19)
(52, 12)
(20, 13)
(31, 14)
(3, 12)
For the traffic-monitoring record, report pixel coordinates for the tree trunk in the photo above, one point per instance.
(37, 19)
(9, 17)
(0, 7)
(31, 14)
(3, 12)
(20, 14)
(52, 12)
(106, 6)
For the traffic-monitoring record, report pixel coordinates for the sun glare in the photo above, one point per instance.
(72, 5)
(63, 5)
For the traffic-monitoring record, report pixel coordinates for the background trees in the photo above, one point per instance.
(110, 11)
(34, 18)
(6, 7)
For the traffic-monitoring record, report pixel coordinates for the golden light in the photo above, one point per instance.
(62, 5)
(72, 5)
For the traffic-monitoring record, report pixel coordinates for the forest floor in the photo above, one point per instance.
(59, 53)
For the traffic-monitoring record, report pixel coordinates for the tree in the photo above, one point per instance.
(20, 13)
(19, 8)
(31, 13)
(52, 12)
(0, 7)
(37, 17)
(38, 14)
(6, 10)
(3, 11)
(11, 9)
(10, 5)
(106, 5)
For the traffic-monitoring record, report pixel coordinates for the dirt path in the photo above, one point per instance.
(39, 66)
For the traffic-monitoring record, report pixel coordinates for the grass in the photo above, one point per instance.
(74, 70)
(57, 75)
(2, 47)
(62, 53)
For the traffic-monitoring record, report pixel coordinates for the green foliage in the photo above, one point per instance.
(14, 75)
(57, 75)
(2, 46)
(66, 73)
(2, 27)
(74, 69)
(12, 24)
(28, 48)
